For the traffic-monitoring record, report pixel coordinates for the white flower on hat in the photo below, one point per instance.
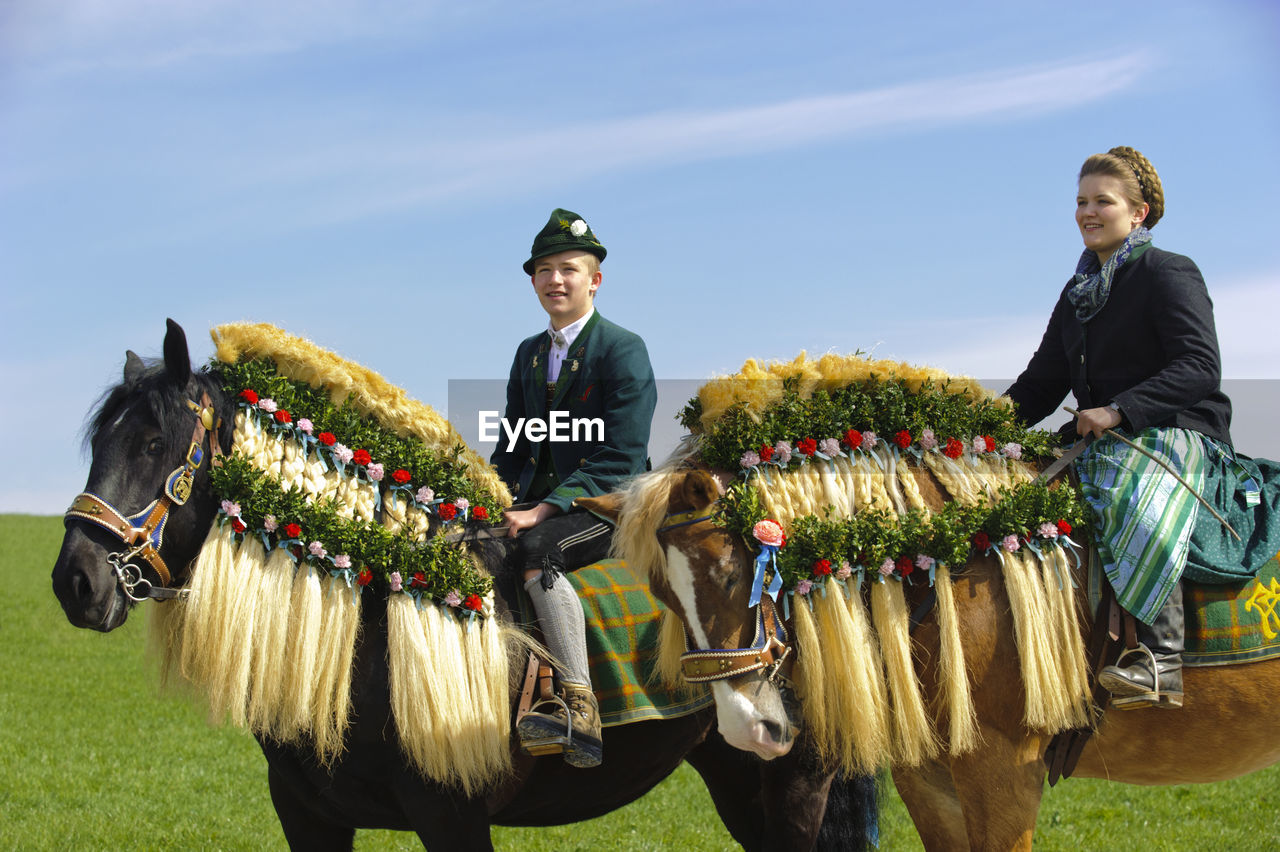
(578, 228)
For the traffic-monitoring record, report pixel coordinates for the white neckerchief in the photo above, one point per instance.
(561, 341)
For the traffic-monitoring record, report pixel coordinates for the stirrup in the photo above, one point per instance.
(538, 746)
(1152, 697)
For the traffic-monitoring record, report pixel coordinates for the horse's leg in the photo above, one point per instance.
(930, 796)
(999, 785)
(304, 827)
(733, 780)
(444, 819)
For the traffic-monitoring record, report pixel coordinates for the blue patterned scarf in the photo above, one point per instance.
(1092, 283)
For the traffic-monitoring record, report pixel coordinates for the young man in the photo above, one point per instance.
(594, 379)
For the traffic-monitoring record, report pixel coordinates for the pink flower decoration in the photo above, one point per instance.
(1012, 450)
(317, 549)
(424, 495)
(342, 453)
(928, 440)
(453, 598)
(845, 569)
(268, 405)
(462, 503)
(1010, 543)
(869, 439)
(305, 425)
(342, 560)
(829, 447)
(768, 532)
(782, 452)
(230, 509)
(924, 562)
(269, 523)
(1048, 530)
(886, 567)
(979, 444)
(396, 582)
(803, 587)
(375, 471)
(749, 459)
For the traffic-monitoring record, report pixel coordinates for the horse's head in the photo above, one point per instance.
(704, 575)
(120, 540)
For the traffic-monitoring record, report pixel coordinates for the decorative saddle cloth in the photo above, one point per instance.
(1234, 623)
(623, 621)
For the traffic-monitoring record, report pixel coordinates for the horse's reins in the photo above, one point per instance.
(768, 651)
(144, 531)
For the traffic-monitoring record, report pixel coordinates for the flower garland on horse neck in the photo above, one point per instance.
(830, 500)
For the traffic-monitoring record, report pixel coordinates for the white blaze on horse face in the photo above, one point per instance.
(741, 723)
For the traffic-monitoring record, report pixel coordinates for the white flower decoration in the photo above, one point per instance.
(578, 228)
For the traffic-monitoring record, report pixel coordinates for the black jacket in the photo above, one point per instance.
(1152, 349)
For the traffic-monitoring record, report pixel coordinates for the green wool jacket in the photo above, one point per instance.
(606, 376)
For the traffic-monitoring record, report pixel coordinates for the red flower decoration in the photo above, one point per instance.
(981, 541)
(1064, 528)
(361, 457)
(808, 446)
(853, 439)
(447, 511)
(480, 513)
(473, 602)
(249, 396)
(953, 449)
(283, 416)
(822, 568)
(400, 476)
(904, 566)
(238, 525)
(990, 442)
(419, 580)
(364, 576)
(292, 531)
(766, 452)
(327, 439)
(902, 439)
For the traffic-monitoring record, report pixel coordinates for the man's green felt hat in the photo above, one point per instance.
(564, 231)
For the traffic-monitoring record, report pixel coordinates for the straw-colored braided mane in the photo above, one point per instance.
(269, 631)
(886, 502)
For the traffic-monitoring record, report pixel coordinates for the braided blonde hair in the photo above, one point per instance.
(1137, 176)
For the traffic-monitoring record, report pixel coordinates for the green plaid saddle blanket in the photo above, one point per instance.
(623, 621)
(1234, 623)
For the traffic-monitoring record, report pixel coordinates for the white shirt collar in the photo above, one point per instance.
(570, 332)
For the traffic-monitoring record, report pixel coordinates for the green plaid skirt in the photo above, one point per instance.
(1149, 529)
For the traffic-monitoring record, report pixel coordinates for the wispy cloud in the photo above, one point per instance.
(507, 160)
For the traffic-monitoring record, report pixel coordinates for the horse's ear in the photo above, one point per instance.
(133, 367)
(177, 360)
(697, 490)
(609, 506)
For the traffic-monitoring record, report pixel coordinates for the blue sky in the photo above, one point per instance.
(768, 178)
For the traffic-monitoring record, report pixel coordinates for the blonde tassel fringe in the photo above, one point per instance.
(963, 728)
(331, 696)
(1047, 706)
(811, 683)
(854, 682)
(453, 733)
(914, 740)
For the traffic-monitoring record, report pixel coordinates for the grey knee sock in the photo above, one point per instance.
(560, 616)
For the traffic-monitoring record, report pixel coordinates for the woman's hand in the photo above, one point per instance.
(523, 519)
(1097, 421)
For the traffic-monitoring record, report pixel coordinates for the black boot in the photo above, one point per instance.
(1160, 643)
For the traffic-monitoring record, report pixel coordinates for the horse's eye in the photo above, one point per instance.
(155, 447)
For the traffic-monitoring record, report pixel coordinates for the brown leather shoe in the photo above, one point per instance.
(568, 723)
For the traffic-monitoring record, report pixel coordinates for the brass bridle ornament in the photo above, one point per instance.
(143, 532)
(769, 651)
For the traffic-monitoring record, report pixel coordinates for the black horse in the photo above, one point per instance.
(141, 433)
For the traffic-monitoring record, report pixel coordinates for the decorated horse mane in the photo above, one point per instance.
(337, 487)
(850, 473)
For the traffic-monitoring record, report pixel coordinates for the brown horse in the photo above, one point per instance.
(986, 797)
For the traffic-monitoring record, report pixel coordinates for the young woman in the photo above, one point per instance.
(1132, 337)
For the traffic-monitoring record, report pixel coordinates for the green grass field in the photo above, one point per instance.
(91, 758)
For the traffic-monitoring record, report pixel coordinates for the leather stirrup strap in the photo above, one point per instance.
(527, 688)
